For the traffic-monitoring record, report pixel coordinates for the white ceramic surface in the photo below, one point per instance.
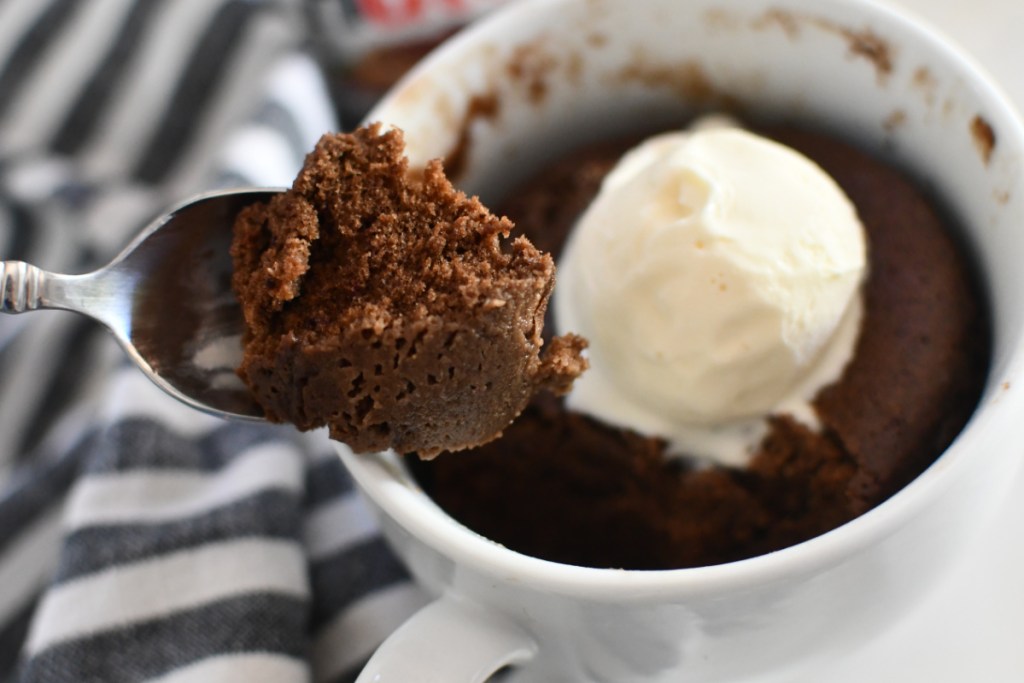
(803, 612)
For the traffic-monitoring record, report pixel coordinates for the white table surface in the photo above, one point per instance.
(973, 630)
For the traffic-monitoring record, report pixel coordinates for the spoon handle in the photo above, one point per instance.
(99, 294)
(22, 287)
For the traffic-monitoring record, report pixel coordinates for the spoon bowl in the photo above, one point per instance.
(167, 298)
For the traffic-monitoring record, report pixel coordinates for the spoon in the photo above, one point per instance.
(167, 299)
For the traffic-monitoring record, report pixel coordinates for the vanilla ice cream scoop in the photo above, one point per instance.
(717, 277)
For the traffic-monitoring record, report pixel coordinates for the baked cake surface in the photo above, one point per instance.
(565, 487)
(391, 307)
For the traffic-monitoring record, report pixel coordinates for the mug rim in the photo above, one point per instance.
(391, 487)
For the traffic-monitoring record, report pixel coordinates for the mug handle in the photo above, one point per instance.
(451, 640)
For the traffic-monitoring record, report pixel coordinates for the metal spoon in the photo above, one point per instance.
(167, 299)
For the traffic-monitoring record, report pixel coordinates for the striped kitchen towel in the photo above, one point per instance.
(140, 540)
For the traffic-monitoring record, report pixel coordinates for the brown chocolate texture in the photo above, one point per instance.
(390, 307)
(564, 487)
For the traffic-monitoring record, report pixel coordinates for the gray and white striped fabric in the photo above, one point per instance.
(140, 540)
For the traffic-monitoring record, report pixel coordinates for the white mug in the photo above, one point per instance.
(560, 72)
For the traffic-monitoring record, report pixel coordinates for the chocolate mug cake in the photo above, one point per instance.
(565, 487)
(801, 613)
(332, 292)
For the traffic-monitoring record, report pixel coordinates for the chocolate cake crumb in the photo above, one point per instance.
(393, 310)
(984, 138)
(485, 106)
(862, 43)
